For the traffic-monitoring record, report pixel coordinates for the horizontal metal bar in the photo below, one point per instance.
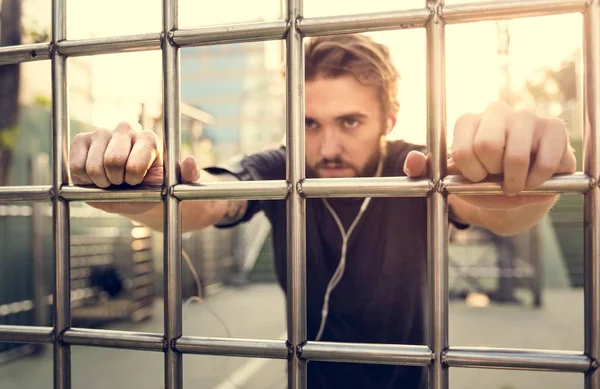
(114, 339)
(252, 348)
(389, 354)
(24, 53)
(81, 193)
(497, 358)
(236, 33)
(375, 21)
(365, 186)
(25, 193)
(25, 334)
(509, 9)
(571, 183)
(110, 45)
(247, 190)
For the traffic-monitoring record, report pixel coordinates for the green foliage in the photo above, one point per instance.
(8, 137)
(42, 101)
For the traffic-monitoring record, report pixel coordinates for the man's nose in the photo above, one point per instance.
(331, 147)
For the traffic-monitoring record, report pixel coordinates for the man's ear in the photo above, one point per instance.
(390, 123)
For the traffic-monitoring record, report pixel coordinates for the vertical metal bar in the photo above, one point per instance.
(437, 202)
(172, 208)
(296, 206)
(591, 166)
(37, 251)
(60, 214)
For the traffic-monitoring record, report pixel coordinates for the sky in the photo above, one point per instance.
(471, 50)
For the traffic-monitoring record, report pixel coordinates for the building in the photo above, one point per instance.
(243, 88)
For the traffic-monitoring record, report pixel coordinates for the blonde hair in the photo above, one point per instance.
(356, 55)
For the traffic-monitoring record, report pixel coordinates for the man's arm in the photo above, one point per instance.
(197, 214)
(503, 222)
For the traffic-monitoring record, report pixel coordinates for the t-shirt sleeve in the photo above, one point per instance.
(266, 165)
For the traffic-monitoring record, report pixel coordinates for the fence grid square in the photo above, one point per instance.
(438, 355)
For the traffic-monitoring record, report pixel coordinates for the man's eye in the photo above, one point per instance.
(351, 123)
(310, 124)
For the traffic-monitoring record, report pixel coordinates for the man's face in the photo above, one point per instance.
(344, 124)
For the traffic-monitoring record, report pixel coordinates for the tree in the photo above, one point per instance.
(556, 85)
(10, 34)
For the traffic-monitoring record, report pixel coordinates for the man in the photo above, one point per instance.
(365, 257)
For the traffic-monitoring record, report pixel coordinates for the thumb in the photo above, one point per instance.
(190, 172)
(452, 169)
(415, 164)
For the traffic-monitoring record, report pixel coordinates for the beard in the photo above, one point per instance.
(338, 162)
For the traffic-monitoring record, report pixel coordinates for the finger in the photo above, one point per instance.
(117, 153)
(190, 172)
(520, 128)
(464, 158)
(551, 146)
(452, 169)
(144, 154)
(77, 158)
(568, 163)
(415, 164)
(94, 165)
(490, 139)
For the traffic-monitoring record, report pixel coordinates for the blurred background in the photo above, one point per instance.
(524, 291)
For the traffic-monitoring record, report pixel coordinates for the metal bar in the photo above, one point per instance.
(60, 208)
(571, 183)
(111, 45)
(251, 348)
(295, 203)
(24, 53)
(115, 339)
(246, 190)
(591, 166)
(509, 9)
(375, 21)
(236, 33)
(25, 193)
(26, 334)
(437, 213)
(368, 353)
(79, 193)
(365, 187)
(172, 209)
(496, 358)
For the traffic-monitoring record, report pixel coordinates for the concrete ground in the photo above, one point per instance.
(257, 311)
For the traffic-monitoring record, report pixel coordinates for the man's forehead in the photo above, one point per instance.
(340, 96)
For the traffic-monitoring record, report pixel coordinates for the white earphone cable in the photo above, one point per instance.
(339, 272)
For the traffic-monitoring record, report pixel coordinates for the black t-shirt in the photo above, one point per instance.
(380, 297)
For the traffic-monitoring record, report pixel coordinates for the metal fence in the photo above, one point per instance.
(438, 356)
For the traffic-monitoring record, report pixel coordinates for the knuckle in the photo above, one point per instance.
(148, 136)
(94, 170)
(546, 167)
(522, 117)
(517, 159)
(462, 154)
(80, 139)
(487, 146)
(467, 119)
(113, 161)
(136, 170)
(100, 133)
(124, 127)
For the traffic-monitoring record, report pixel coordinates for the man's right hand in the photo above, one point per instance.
(122, 156)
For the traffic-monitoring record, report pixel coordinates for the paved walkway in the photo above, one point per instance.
(258, 311)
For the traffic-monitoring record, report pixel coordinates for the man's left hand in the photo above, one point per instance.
(522, 147)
